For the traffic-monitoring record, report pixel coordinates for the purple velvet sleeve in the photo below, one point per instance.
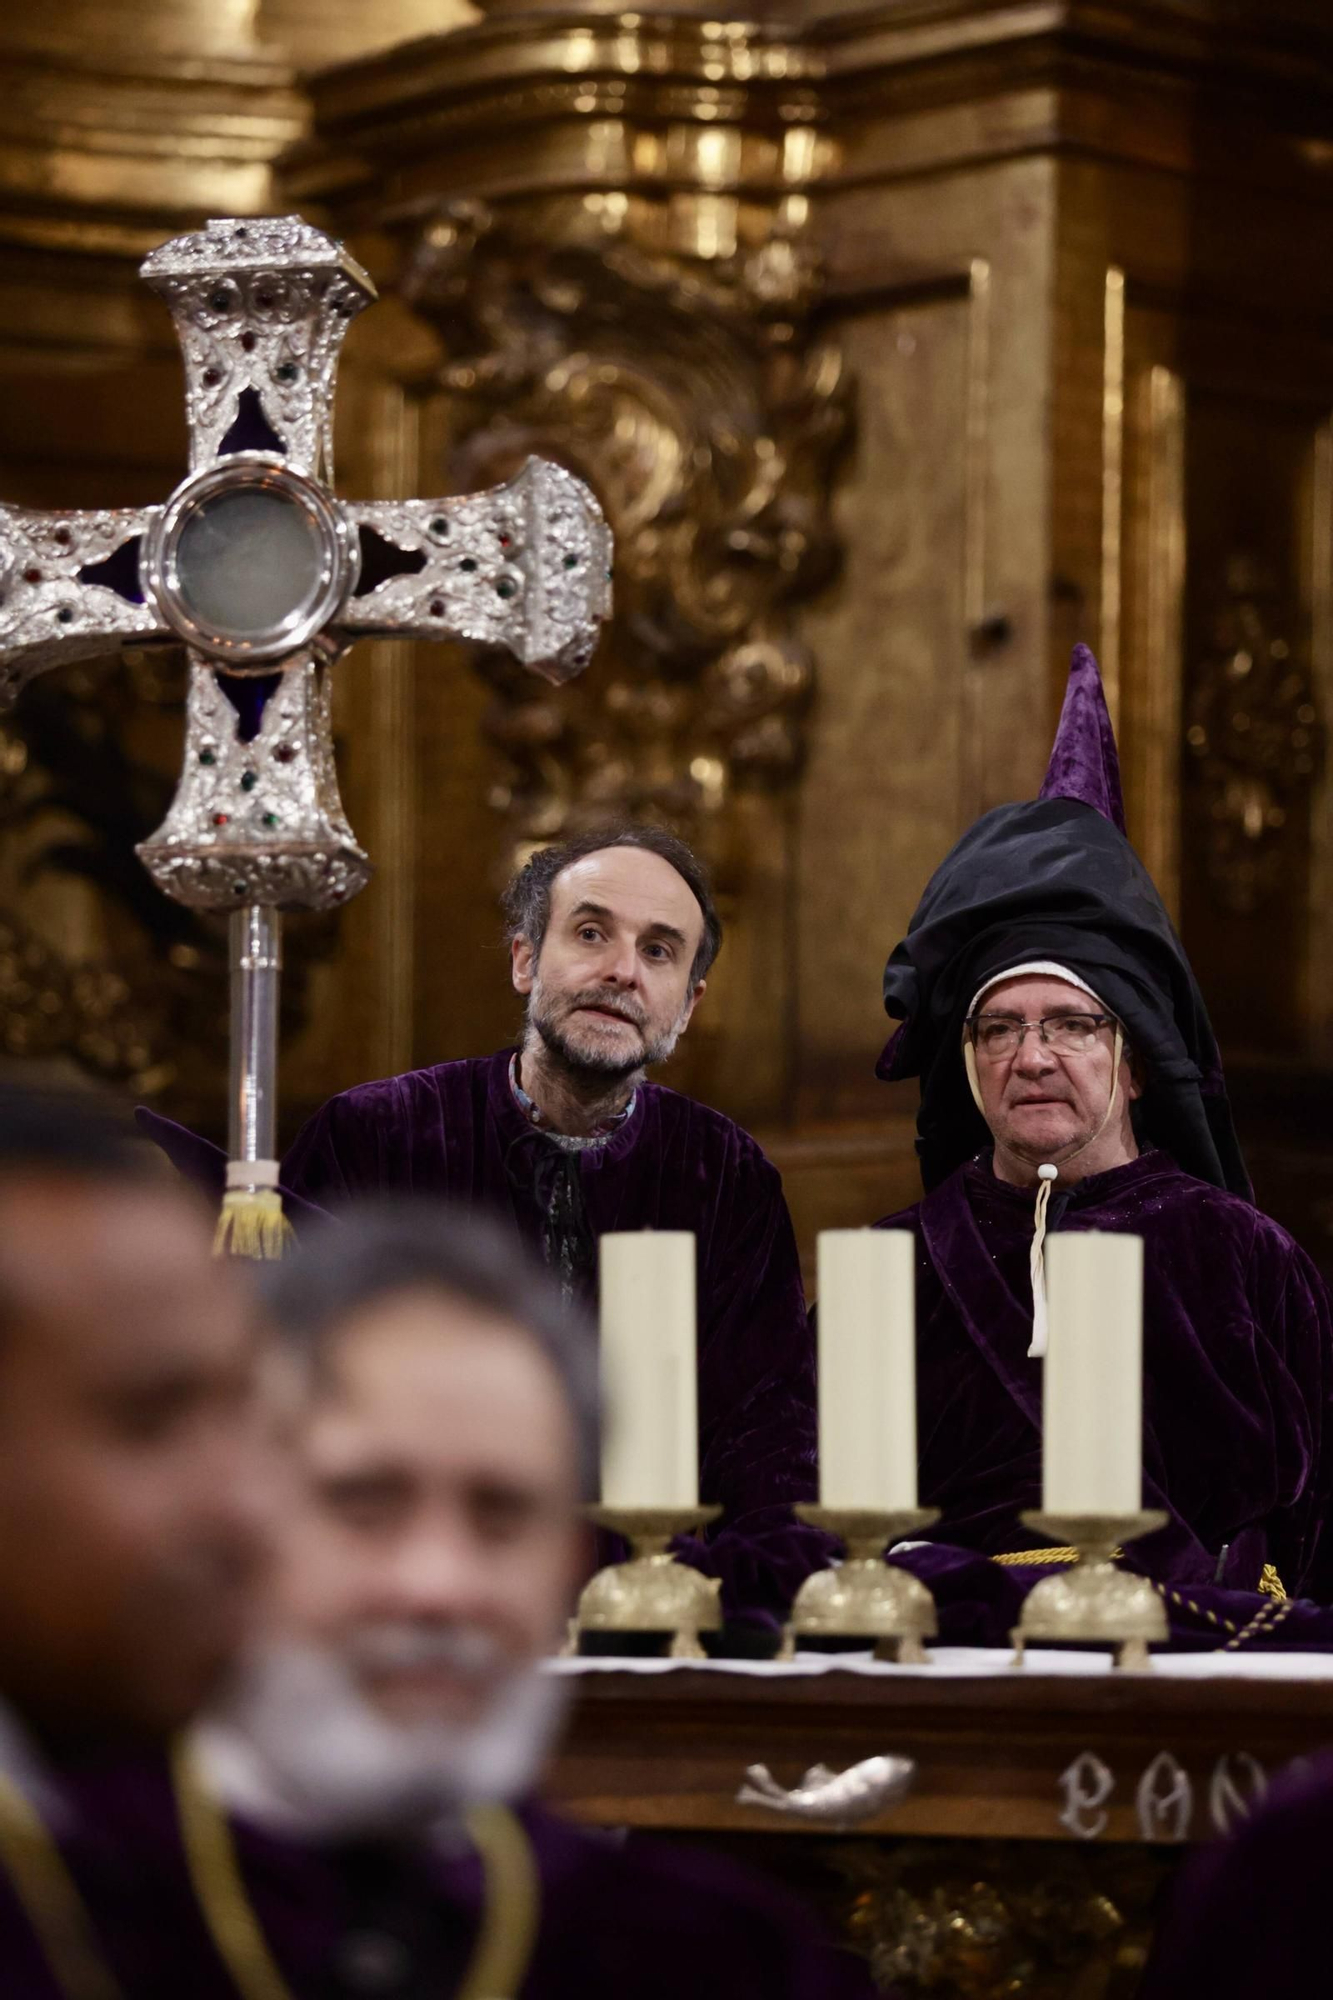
(322, 1163)
(1293, 1304)
(204, 1165)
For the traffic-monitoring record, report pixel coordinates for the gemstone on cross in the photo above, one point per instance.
(267, 577)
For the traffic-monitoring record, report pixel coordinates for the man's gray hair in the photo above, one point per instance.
(380, 1248)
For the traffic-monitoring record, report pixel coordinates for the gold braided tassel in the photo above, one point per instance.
(1032, 1558)
(252, 1224)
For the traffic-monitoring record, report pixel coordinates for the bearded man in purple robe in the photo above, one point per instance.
(1070, 1080)
(310, 1842)
(612, 937)
(444, 1430)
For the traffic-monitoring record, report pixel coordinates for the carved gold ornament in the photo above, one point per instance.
(1255, 739)
(692, 396)
(983, 1920)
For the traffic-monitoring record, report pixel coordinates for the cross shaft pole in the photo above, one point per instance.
(267, 577)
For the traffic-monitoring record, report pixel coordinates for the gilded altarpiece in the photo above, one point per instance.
(905, 345)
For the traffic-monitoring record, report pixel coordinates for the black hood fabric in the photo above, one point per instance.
(1054, 879)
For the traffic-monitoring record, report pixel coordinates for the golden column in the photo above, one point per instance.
(905, 342)
(125, 121)
(605, 222)
(1052, 250)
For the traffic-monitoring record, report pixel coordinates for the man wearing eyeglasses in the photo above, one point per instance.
(1070, 1080)
(1053, 1078)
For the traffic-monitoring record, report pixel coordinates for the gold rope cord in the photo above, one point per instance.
(1271, 1586)
(511, 1910)
(59, 1917)
(1266, 1619)
(1023, 1557)
(215, 1876)
(1270, 1583)
(51, 1900)
(511, 1897)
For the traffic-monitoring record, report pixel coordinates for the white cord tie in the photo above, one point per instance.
(1047, 1176)
(1046, 1179)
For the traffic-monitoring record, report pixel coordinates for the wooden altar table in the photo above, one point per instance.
(1046, 1807)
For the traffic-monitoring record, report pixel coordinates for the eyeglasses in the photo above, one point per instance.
(998, 1036)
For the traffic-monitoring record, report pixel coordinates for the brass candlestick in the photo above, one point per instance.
(864, 1599)
(1093, 1600)
(652, 1597)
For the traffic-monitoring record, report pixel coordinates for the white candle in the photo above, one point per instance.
(650, 1457)
(1092, 1428)
(867, 1369)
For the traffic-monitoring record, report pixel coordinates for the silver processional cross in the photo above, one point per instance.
(267, 577)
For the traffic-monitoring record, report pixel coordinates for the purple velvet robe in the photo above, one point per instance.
(456, 1131)
(1237, 1368)
(400, 1921)
(1247, 1917)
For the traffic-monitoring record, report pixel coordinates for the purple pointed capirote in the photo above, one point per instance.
(1085, 763)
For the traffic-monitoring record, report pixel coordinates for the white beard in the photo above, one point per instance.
(298, 1747)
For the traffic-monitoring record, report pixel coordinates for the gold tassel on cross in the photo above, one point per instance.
(252, 1223)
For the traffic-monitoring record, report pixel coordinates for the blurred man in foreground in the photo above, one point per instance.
(447, 1433)
(132, 1495)
(447, 1415)
(128, 1524)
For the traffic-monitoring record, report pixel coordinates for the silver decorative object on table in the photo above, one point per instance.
(269, 578)
(835, 1799)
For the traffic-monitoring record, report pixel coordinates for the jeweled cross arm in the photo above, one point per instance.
(267, 576)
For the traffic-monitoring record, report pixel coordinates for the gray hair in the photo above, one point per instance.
(380, 1248)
